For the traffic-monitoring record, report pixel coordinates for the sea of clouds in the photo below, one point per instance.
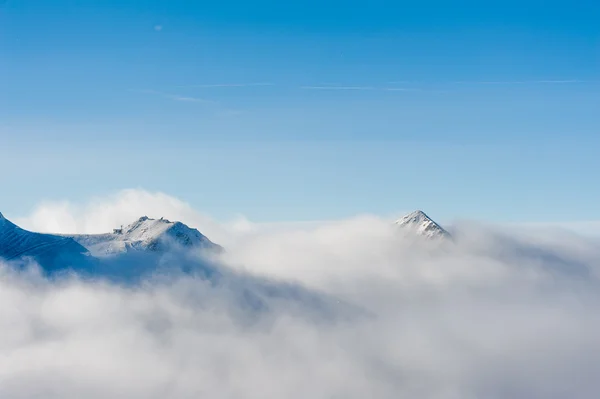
(496, 313)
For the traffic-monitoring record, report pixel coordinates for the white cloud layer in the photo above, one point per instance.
(495, 314)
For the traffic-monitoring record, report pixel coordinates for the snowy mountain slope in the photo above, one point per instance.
(146, 234)
(49, 250)
(421, 224)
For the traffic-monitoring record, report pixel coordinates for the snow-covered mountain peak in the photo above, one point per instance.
(146, 234)
(423, 225)
(147, 228)
(417, 214)
(47, 249)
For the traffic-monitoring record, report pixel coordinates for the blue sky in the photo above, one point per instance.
(305, 110)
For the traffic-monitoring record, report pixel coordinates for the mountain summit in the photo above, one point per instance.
(146, 234)
(423, 225)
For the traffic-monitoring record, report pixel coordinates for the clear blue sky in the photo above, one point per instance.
(305, 110)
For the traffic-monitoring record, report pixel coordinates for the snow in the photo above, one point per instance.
(16, 242)
(146, 234)
(421, 224)
(54, 250)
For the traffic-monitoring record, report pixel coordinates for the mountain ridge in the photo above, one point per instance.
(63, 250)
(146, 234)
(49, 249)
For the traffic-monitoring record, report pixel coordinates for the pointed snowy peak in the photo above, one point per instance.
(423, 225)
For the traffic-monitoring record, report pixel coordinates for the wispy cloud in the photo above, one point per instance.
(560, 81)
(430, 87)
(515, 82)
(360, 88)
(176, 97)
(400, 89)
(215, 85)
(338, 87)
